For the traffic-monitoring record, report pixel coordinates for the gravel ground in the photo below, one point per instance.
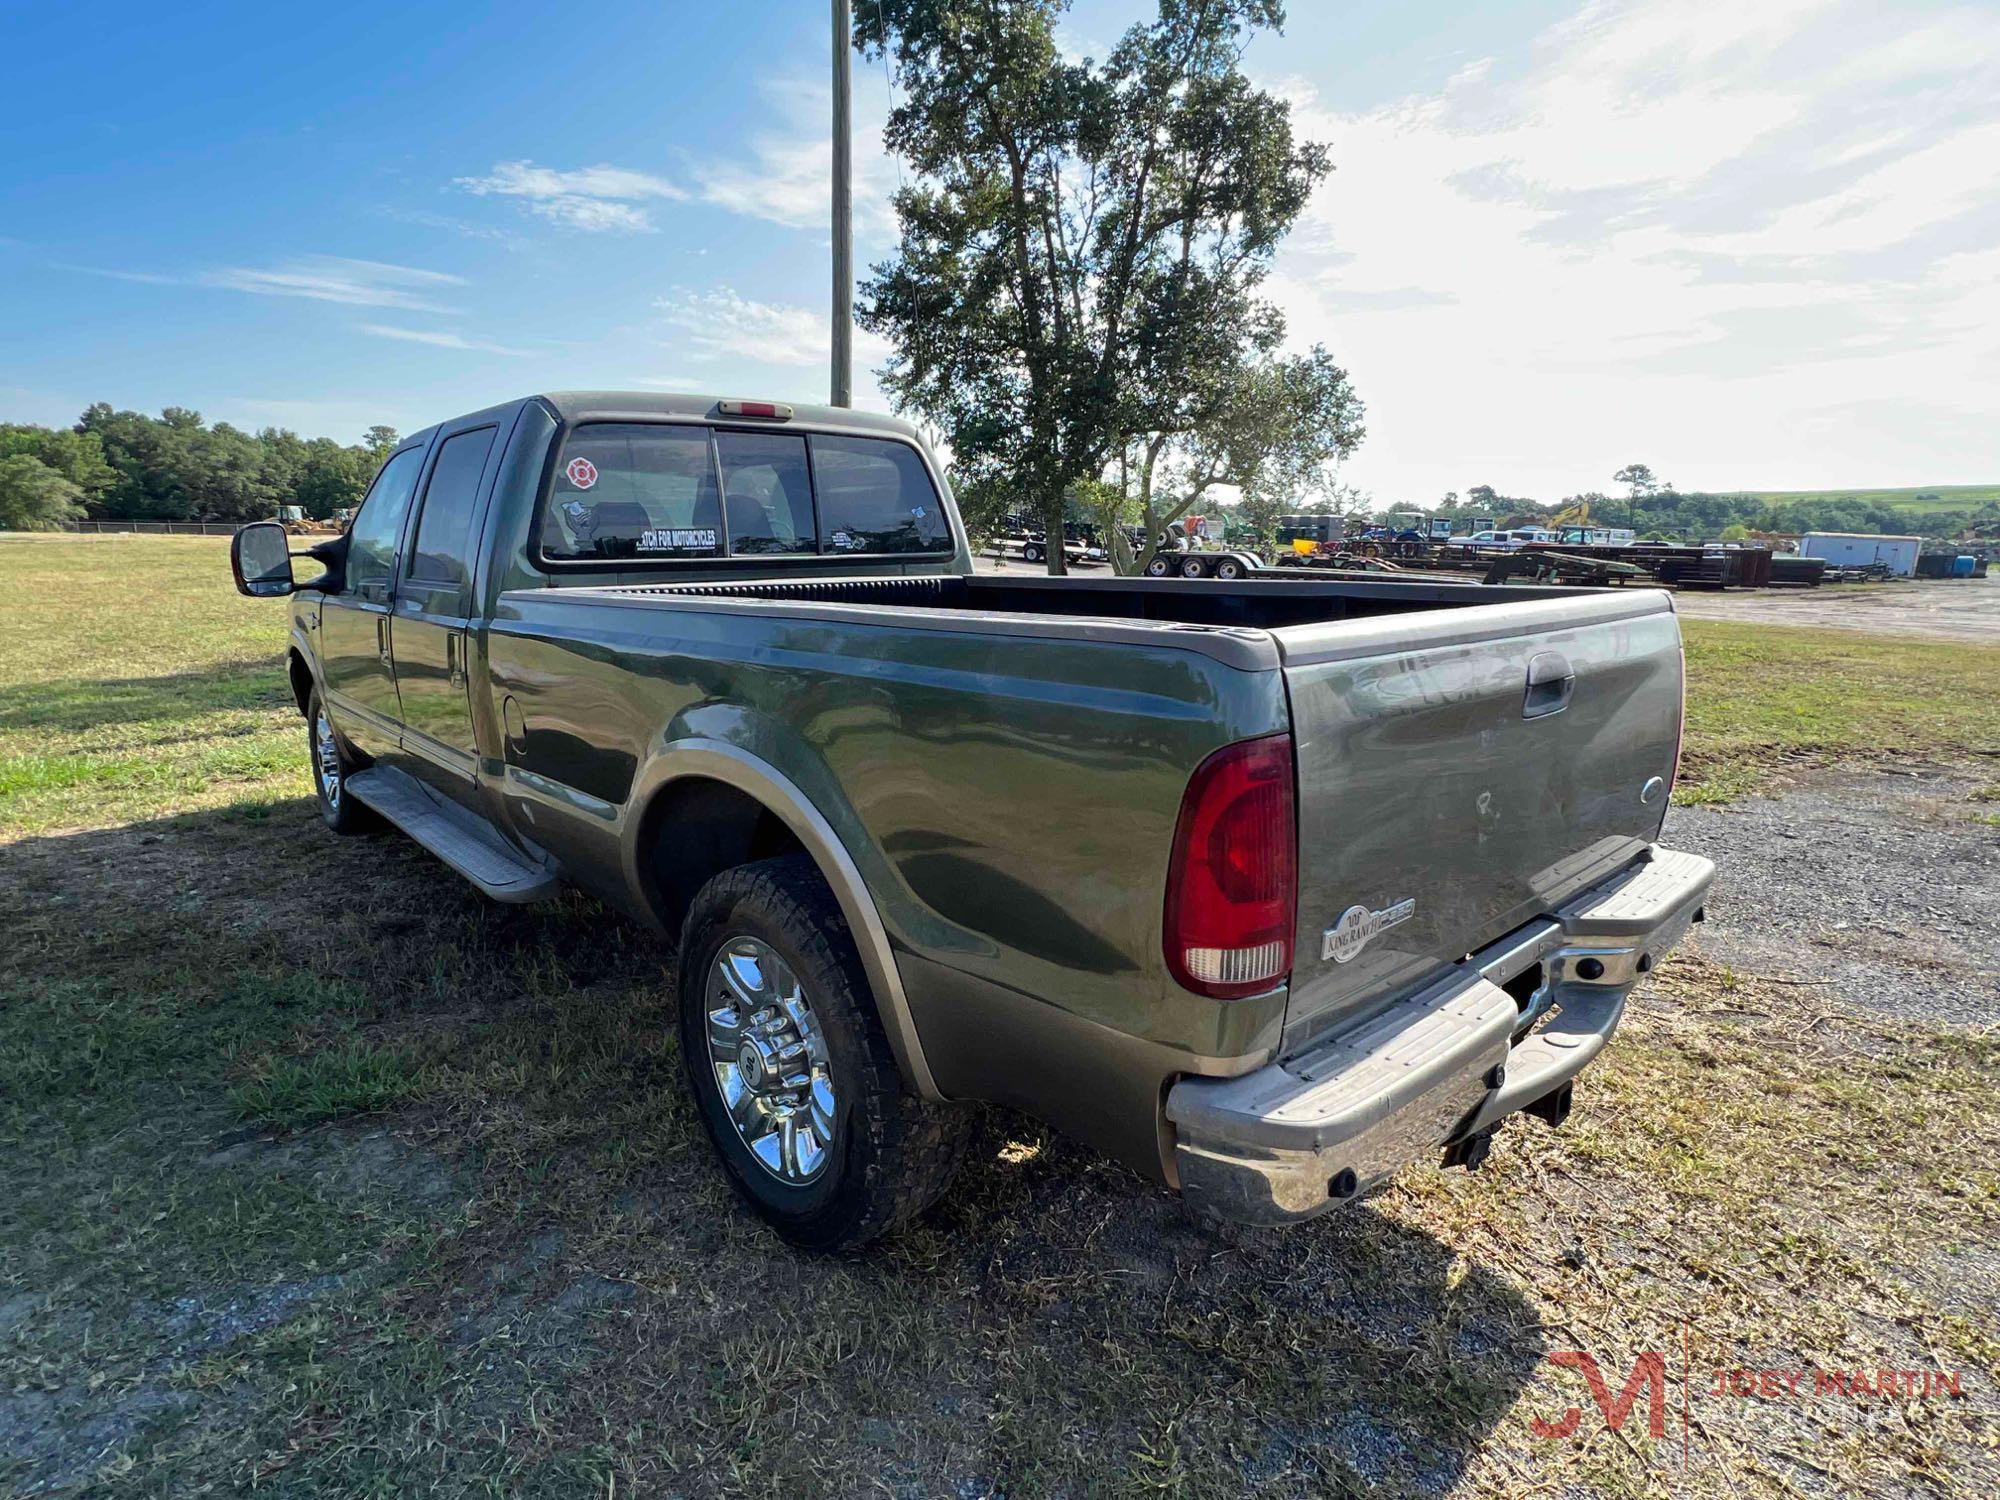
(1883, 888)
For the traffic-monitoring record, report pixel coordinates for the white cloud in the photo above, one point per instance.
(667, 383)
(594, 199)
(1744, 243)
(143, 278)
(437, 338)
(723, 324)
(333, 278)
(788, 176)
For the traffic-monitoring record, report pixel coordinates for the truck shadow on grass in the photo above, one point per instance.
(68, 705)
(322, 1172)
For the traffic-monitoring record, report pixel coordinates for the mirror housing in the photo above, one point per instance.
(260, 555)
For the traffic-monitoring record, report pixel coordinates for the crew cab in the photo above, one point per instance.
(1266, 888)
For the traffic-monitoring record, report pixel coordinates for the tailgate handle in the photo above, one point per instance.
(1550, 682)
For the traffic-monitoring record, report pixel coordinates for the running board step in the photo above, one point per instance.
(459, 837)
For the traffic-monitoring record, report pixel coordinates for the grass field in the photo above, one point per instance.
(1913, 497)
(318, 1175)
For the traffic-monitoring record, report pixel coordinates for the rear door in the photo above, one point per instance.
(354, 649)
(1463, 771)
(433, 608)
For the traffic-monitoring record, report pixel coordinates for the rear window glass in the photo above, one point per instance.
(658, 492)
(634, 489)
(874, 496)
(767, 492)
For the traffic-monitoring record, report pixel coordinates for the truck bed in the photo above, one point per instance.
(1254, 603)
(1481, 752)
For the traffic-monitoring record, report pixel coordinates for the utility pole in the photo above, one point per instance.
(843, 206)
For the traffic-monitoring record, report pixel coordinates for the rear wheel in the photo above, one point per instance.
(331, 766)
(1032, 552)
(1159, 567)
(1194, 567)
(791, 1069)
(1229, 569)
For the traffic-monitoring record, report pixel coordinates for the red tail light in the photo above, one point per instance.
(1232, 888)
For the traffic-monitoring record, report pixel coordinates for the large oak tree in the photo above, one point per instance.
(1082, 246)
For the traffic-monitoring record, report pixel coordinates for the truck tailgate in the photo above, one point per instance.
(1463, 771)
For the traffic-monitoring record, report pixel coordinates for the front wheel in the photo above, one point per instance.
(791, 1069)
(331, 766)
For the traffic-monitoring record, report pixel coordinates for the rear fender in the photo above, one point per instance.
(720, 761)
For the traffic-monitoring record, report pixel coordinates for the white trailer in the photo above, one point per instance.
(1860, 549)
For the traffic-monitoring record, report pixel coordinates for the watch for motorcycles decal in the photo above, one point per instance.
(1358, 926)
(678, 539)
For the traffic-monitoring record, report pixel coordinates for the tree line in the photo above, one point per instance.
(127, 466)
(1653, 509)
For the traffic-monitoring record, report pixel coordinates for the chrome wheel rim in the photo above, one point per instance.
(326, 759)
(768, 1055)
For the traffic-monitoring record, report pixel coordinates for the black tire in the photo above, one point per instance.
(337, 806)
(1229, 570)
(1159, 567)
(892, 1154)
(1194, 567)
(1032, 552)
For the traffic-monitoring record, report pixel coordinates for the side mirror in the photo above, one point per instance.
(260, 555)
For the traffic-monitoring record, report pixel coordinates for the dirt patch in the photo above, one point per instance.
(1941, 609)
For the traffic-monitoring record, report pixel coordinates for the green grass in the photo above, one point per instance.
(351, 1079)
(1763, 700)
(1910, 497)
(133, 672)
(321, 1176)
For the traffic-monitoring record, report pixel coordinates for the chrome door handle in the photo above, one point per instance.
(454, 659)
(382, 638)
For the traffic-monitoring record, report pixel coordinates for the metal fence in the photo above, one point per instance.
(158, 528)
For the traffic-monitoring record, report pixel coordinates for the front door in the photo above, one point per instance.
(432, 615)
(355, 654)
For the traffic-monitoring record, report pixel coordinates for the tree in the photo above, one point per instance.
(380, 442)
(76, 456)
(1277, 430)
(1078, 255)
(34, 497)
(1638, 478)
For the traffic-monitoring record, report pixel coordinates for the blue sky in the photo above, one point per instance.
(1751, 244)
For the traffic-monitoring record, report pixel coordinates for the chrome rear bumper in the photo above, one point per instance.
(1439, 1068)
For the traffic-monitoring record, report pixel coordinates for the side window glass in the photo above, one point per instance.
(445, 523)
(371, 540)
(767, 492)
(875, 496)
(633, 489)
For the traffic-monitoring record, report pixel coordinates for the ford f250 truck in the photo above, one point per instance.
(1267, 889)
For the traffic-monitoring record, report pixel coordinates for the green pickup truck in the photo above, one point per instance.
(1267, 888)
